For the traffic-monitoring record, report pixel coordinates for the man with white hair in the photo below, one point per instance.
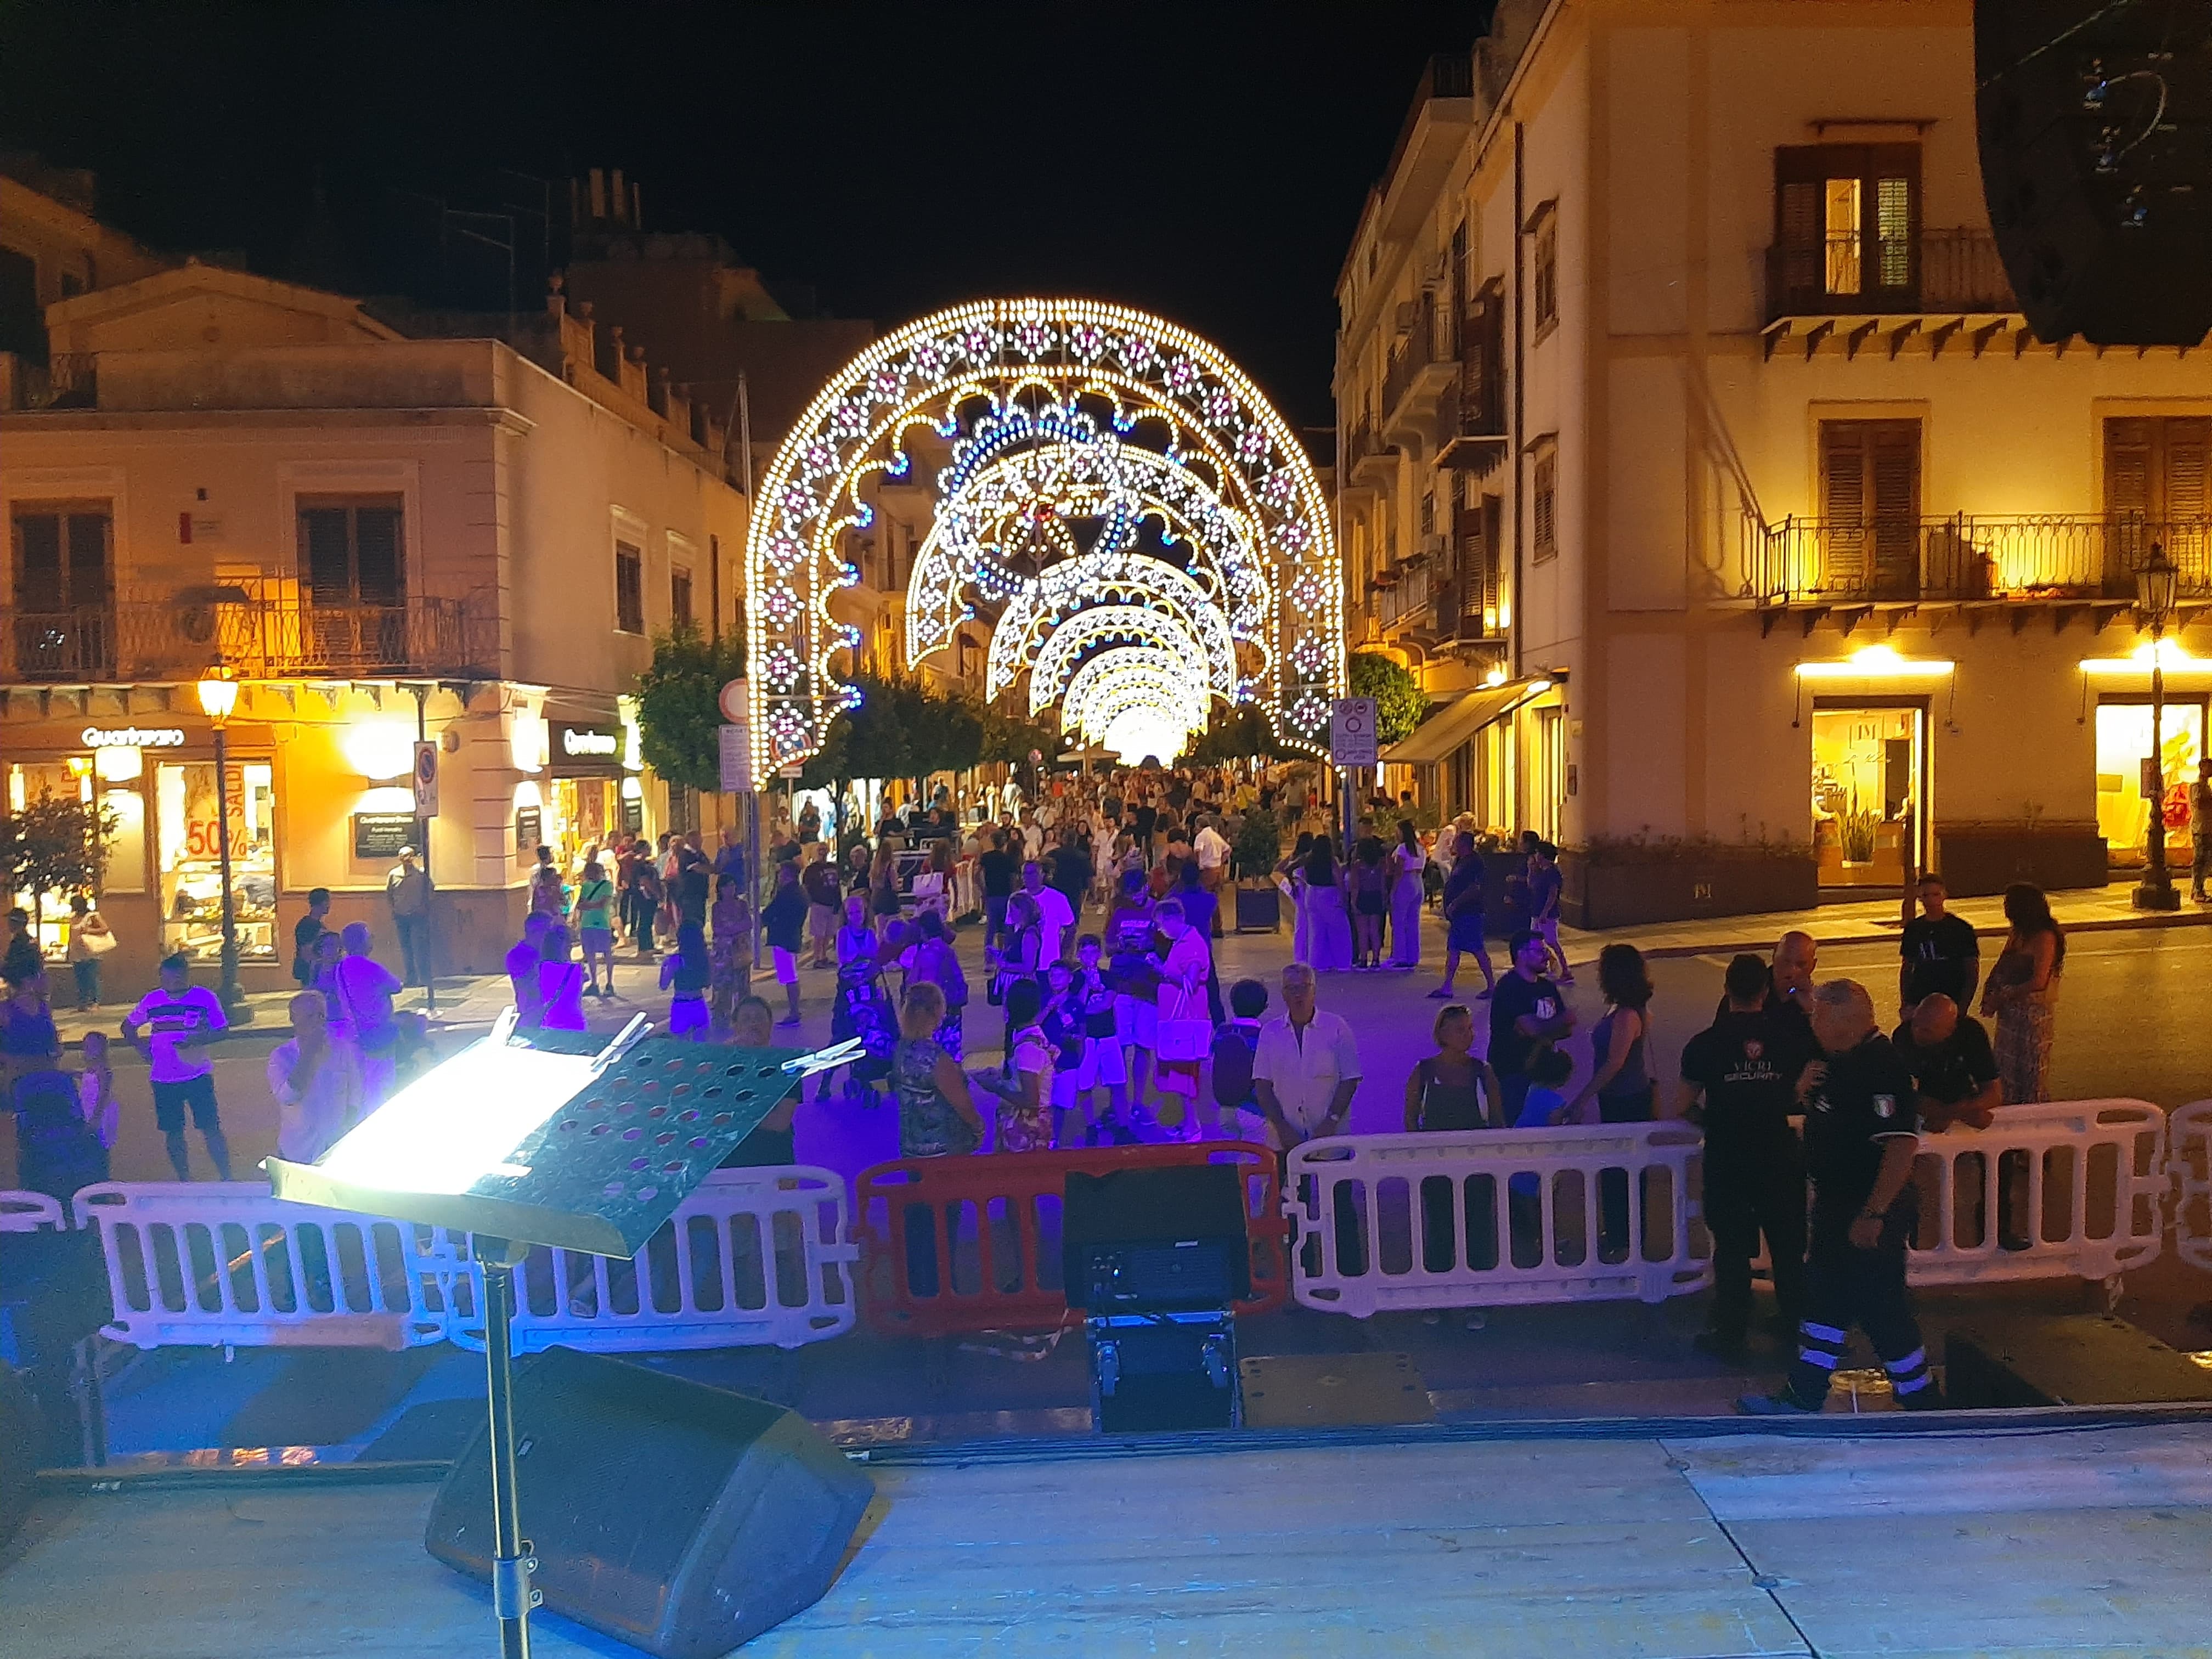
(1862, 1129)
(1306, 1068)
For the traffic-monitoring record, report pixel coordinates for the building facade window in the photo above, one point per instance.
(352, 552)
(1870, 507)
(679, 598)
(63, 589)
(1846, 224)
(629, 589)
(189, 847)
(1544, 504)
(1547, 280)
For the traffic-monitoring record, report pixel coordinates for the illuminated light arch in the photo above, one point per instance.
(1076, 594)
(1211, 657)
(1106, 681)
(1217, 424)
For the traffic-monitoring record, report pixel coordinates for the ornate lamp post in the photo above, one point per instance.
(2155, 585)
(218, 697)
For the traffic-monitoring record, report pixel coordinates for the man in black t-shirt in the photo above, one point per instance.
(1070, 872)
(1527, 1012)
(1941, 956)
(1948, 1052)
(1744, 1069)
(1862, 1118)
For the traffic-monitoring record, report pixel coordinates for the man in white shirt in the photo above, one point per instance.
(1307, 1067)
(317, 1083)
(172, 1027)
(1056, 914)
(1212, 853)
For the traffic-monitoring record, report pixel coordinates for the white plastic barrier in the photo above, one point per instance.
(1488, 1217)
(2190, 1157)
(2059, 1189)
(227, 1262)
(30, 1212)
(753, 1258)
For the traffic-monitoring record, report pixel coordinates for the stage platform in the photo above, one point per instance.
(2032, 1539)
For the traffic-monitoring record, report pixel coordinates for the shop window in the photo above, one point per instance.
(629, 589)
(350, 552)
(2123, 745)
(679, 599)
(188, 846)
(1869, 769)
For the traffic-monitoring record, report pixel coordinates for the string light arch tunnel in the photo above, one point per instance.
(1105, 484)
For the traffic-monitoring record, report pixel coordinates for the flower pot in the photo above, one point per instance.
(1259, 909)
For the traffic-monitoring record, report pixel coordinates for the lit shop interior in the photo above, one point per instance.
(1869, 792)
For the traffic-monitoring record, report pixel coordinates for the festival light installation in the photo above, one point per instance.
(1060, 412)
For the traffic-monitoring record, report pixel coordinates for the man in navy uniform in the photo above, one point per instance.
(1744, 1068)
(1861, 1116)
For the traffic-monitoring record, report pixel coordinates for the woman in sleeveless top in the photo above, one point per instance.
(1368, 889)
(1328, 924)
(1301, 931)
(1452, 1090)
(2022, 992)
(1408, 866)
(1620, 1078)
(937, 1113)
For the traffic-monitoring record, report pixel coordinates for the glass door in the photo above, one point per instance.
(1870, 793)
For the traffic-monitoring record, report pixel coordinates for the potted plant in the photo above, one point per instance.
(1259, 845)
(1860, 825)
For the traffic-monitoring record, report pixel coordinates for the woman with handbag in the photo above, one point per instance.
(89, 939)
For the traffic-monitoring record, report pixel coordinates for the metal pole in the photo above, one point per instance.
(230, 995)
(2159, 884)
(511, 1596)
(428, 947)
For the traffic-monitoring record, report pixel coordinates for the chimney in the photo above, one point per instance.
(618, 198)
(598, 194)
(637, 206)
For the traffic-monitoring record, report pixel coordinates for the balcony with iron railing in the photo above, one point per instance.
(1848, 289)
(254, 633)
(1403, 594)
(2058, 559)
(1369, 462)
(1471, 435)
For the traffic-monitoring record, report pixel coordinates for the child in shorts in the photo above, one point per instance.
(784, 918)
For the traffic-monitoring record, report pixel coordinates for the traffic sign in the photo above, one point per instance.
(737, 702)
(1352, 731)
(426, 779)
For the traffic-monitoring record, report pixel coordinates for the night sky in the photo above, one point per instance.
(1206, 161)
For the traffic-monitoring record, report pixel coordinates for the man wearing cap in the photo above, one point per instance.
(1861, 1117)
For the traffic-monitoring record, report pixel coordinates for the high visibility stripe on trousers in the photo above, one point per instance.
(1820, 1345)
(1909, 1375)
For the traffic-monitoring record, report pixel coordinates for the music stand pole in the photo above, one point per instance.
(512, 1597)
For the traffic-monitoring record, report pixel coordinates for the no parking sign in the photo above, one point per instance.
(1352, 731)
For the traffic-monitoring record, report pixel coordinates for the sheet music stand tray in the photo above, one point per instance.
(562, 1139)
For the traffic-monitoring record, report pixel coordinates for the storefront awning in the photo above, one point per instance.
(1456, 722)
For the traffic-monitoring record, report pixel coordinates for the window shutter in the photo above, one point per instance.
(39, 561)
(91, 581)
(1896, 470)
(1843, 503)
(376, 561)
(322, 554)
(2187, 443)
(2127, 467)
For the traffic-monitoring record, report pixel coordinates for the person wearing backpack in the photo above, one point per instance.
(1235, 1042)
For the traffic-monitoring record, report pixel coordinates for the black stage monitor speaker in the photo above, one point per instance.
(2095, 122)
(1156, 1240)
(679, 1518)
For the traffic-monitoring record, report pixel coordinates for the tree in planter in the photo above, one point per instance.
(1400, 703)
(680, 707)
(55, 844)
(1259, 844)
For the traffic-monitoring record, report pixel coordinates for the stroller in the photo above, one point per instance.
(863, 1010)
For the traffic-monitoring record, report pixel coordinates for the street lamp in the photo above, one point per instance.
(2155, 586)
(218, 697)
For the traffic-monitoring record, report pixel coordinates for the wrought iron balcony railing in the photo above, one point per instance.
(2044, 557)
(1935, 271)
(136, 639)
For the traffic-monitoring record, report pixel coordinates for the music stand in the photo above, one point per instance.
(562, 1139)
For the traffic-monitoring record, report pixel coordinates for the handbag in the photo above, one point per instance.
(99, 944)
(1181, 1040)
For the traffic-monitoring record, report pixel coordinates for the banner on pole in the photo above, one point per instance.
(737, 759)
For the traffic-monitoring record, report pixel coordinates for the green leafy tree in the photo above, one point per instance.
(56, 844)
(1231, 734)
(679, 710)
(1400, 703)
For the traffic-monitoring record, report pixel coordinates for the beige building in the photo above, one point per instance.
(371, 529)
(1683, 396)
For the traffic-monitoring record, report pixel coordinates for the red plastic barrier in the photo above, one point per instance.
(992, 1261)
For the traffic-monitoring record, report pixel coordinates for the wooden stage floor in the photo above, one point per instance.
(2059, 1542)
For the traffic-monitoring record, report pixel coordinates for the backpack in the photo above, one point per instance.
(1233, 1051)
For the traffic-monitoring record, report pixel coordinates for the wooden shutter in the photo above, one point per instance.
(2187, 440)
(1870, 508)
(91, 576)
(324, 555)
(38, 562)
(378, 569)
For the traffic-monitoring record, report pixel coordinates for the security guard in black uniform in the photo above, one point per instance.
(1861, 1116)
(1745, 1067)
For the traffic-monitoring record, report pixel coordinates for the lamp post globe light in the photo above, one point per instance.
(218, 694)
(2156, 584)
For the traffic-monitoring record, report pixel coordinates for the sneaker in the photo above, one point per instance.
(789, 1020)
(1929, 1399)
(1726, 1346)
(1782, 1403)
(1441, 994)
